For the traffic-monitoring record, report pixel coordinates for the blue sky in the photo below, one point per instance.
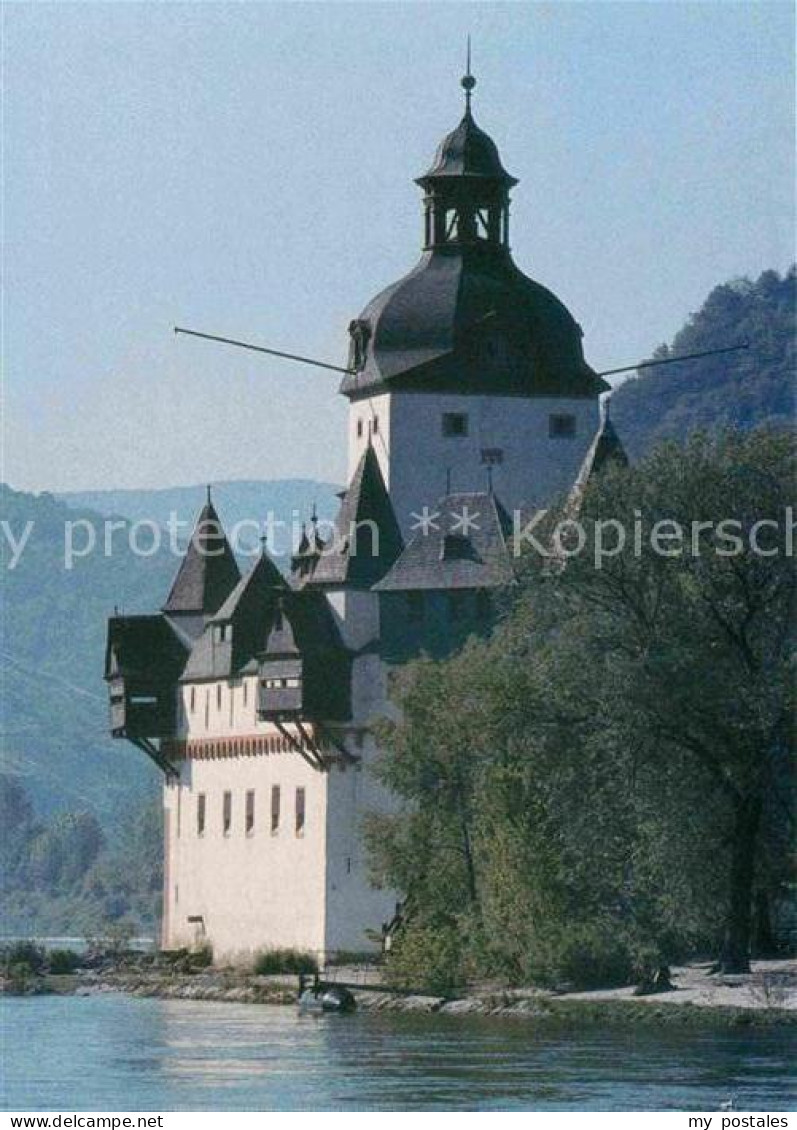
(247, 169)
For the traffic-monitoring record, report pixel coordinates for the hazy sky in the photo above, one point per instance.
(247, 169)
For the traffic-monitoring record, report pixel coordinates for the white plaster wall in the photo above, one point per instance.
(356, 615)
(415, 455)
(354, 906)
(261, 890)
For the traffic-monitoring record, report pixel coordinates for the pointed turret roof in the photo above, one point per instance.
(250, 608)
(263, 576)
(606, 450)
(208, 572)
(367, 537)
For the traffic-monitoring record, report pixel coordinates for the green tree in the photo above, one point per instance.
(589, 792)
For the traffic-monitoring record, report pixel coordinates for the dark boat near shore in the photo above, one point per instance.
(320, 997)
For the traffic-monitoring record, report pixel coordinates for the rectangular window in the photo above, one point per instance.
(376, 425)
(300, 812)
(226, 813)
(455, 424)
(193, 699)
(246, 691)
(561, 426)
(218, 697)
(250, 812)
(359, 429)
(275, 807)
(200, 814)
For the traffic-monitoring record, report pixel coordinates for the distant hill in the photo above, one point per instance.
(241, 500)
(743, 390)
(53, 707)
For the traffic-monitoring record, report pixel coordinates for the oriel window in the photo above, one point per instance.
(300, 810)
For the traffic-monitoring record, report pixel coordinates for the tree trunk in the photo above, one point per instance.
(736, 946)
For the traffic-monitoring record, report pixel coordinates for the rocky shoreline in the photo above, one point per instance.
(764, 998)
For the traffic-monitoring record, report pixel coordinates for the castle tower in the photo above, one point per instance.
(259, 696)
(465, 363)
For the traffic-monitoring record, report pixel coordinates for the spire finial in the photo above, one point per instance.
(314, 515)
(263, 544)
(208, 490)
(468, 81)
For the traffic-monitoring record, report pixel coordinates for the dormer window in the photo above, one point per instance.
(224, 633)
(456, 547)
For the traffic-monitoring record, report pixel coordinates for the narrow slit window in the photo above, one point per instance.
(300, 810)
(359, 429)
(200, 814)
(218, 697)
(193, 699)
(250, 812)
(275, 808)
(226, 813)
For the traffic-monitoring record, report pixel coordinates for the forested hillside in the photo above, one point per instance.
(752, 388)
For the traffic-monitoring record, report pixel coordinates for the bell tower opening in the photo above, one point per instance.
(466, 199)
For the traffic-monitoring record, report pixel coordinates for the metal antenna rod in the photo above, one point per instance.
(263, 349)
(353, 372)
(672, 360)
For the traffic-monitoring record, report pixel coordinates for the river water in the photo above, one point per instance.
(111, 1052)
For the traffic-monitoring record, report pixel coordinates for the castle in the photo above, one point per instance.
(257, 695)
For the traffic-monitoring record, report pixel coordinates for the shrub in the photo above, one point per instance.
(426, 958)
(24, 954)
(284, 961)
(62, 961)
(202, 956)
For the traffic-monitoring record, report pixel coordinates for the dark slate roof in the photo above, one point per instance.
(304, 625)
(606, 450)
(349, 558)
(467, 320)
(467, 152)
(469, 547)
(208, 572)
(250, 609)
(143, 649)
(307, 554)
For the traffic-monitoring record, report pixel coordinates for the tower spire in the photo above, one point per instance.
(468, 81)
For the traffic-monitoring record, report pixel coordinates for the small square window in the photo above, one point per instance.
(561, 426)
(455, 424)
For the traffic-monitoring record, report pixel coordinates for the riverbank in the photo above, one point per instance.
(766, 996)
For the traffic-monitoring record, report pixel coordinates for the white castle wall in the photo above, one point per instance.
(415, 456)
(263, 890)
(252, 891)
